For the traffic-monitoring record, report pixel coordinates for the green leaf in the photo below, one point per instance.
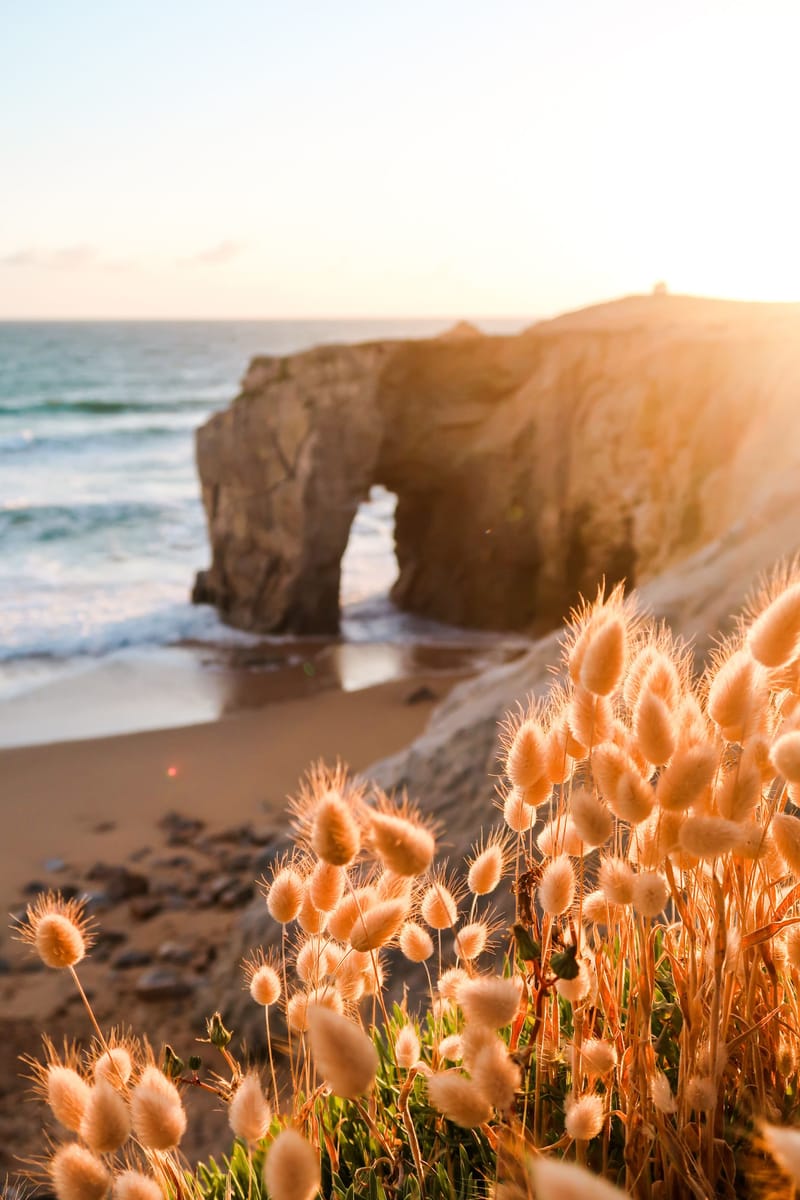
(529, 950)
(564, 964)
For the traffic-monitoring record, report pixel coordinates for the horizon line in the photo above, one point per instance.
(315, 317)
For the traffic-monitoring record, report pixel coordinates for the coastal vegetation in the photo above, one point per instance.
(602, 1000)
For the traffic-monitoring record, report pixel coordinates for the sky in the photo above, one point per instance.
(415, 158)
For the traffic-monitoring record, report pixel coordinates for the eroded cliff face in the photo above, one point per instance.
(614, 441)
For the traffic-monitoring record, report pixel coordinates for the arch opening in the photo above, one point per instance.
(368, 567)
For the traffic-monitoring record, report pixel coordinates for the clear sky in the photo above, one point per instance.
(394, 157)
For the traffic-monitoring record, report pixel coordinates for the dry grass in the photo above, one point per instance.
(642, 1022)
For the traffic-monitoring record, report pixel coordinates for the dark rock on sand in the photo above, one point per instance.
(163, 983)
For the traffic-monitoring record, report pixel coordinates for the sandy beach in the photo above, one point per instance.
(188, 810)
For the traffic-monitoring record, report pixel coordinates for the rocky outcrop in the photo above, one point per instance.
(614, 441)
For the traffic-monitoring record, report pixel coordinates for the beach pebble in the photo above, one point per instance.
(174, 952)
(162, 983)
(55, 865)
(127, 959)
(118, 882)
(243, 861)
(107, 941)
(144, 908)
(180, 829)
(34, 887)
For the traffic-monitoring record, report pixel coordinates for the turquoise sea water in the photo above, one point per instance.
(101, 525)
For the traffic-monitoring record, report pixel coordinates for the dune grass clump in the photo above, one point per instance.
(604, 1000)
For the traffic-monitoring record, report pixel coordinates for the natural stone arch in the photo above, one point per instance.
(526, 468)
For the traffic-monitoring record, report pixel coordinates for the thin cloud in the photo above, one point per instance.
(62, 258)
(214, 256)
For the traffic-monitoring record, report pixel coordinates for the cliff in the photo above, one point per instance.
(613, 441)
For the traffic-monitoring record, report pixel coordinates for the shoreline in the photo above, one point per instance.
(69, 803)
(146, 689)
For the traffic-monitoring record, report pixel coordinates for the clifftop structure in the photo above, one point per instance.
(611, 441)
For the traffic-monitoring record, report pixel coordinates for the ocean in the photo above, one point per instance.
(101, 524)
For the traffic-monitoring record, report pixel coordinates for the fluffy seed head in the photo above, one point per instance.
(335, 836)
(708, 837)
(379, 925)
(451, 1048)
(603, 662)
(577, 989)
(310, 918)
(490, 1000)
(735, 697)
(584, 1117)
(650, 893)
(785, 756)
(632, 798)
(133, 1185)
(292, 1168)
(265, 985)
(786, 834)
(740, 791)
(774, 637)
(249, 1114)
(326, 886)
(57, 929)
(608, 762)
(470, 940)
(591, 718)
(518, 815)
(784, 1146)
(596, 908)
(106, 1123)
(701, 1093)
(403, 845)
(558, 1180)
(77, 1174)
(486, 869)
(560, 836)
(449, 982)
(159, 1119)
(526, 761)
(344, 1054)
(407, 1047)
(67, 1094)
(661, 1093)
(653, 728)
(285, 895)
(438, 906)
(349, 979)
(115, 1065)
(317, 958)
(687, 776)
(556, 890)
(298, 1006)
(559, 749)
(415, 942)
(457, 1098)
(392, 886)
(497, 1077)
(592, 820)
(616, 880)
(598, 1057)
(343, 917)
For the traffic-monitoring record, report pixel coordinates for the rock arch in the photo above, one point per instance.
(525, 467)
